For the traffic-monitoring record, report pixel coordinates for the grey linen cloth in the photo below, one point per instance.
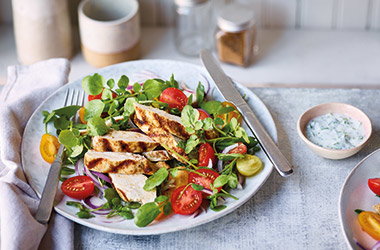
(26, 88)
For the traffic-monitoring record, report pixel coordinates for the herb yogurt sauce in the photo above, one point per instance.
(335, 131)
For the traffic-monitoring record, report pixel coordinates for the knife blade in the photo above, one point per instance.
(50, 189)
(230, 93)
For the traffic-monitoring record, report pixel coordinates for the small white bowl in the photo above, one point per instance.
(339, 108)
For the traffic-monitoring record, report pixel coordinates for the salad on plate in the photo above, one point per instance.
(144, 151)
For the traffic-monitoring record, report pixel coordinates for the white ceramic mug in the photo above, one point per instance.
(109, 31)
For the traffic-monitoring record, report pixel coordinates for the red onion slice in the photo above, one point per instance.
(94, 179)
(376, 246)
(79, 166)
(207, 191)
(102, 176)
(225, 151)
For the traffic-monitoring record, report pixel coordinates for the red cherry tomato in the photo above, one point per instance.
(174, 97)
(94, 97)
(241, 148)
(208, 176)
(202, 114)
(78, 187)
(186, 200)
(206, 153)
(374, 185)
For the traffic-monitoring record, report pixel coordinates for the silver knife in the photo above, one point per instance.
(48, 194)
(230, 93)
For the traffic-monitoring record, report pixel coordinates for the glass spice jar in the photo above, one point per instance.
(236, 35)
(192, 34)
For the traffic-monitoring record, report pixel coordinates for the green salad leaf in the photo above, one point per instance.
(156, 179)
(93, 85)
(97, 126)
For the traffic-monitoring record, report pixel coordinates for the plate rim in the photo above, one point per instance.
(340, 207)
(154, 231)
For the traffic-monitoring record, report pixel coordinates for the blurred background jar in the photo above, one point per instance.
(193, 31)
(42, 30)
(236, 35)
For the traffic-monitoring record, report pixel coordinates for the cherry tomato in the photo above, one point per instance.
(94, 97)
(174, 97)
(206, 153)
(228, 116)
(370, 223)
(202, 114)
(49, 146)
(208, 176)
(186, 200)
(241, 148)
(374, 185)
(81, 115)
(78, 187)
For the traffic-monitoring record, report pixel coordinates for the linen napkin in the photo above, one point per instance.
(26, 88)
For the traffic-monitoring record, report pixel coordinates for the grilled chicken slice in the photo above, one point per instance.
(130, 187)
(118, 162)
(157, 155)
(123, 141)
(163, 137)
(160, 119)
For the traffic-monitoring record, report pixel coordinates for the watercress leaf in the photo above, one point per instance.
(200, 93)
(161, 198)
(197, 187)
(116, 201)
(191, 143)
(221, 180)
(189, 116)
(84, 214)
(198, 125)
(175, 111)
(208, 123)
(190, 99)
(156, 179)
(61, 123)
(223, 110)
(126, 214)
(173, 82)
(67, 171)
(113, 107)
(123, 82)
(93, 85)
(358, 211)
(229, 157)
(97, 126)
(136, 87)
(74, 204)
(142, 97)
(133, 205)
(152, 88)
(211, 107)
(111, 83)
(218, 208)
(67, 138)
(146, 214)
(233, 181)
(174, 172)
(167, 208)
(76, 150)
(93, 108)
(181, 144)
(107, 94)
(218, 121)
(48, 116)
(68, 111)
(129, 107)
(110, 194)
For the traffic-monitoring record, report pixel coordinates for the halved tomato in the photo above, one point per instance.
(205, 154)
(374, 185)
(370, 223)
(49, 146)
(174, 97)
(78, 187)
(206, 177)
(202, 114)
(241, 148)
(186, 200)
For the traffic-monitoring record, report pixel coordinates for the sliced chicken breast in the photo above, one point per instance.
(130, 187)
(157, 155)
(118, 162)
(161, 119)
(163, 137)
(123, 141)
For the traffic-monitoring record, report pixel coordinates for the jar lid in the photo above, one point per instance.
(189, 3)
(235, 18)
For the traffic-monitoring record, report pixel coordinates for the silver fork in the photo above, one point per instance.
(73, 97)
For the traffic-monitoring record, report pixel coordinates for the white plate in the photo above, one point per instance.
(355, 194)
(36, 169)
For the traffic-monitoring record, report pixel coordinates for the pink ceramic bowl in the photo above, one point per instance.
(339, 108)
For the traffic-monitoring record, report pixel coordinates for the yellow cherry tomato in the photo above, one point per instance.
(370, 223)
(49, 146)
(81, 115)
(249, 165)
(228, 116)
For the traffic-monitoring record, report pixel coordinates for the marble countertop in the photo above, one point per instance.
(299, 212)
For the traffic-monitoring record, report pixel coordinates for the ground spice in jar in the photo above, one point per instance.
(235, 37)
